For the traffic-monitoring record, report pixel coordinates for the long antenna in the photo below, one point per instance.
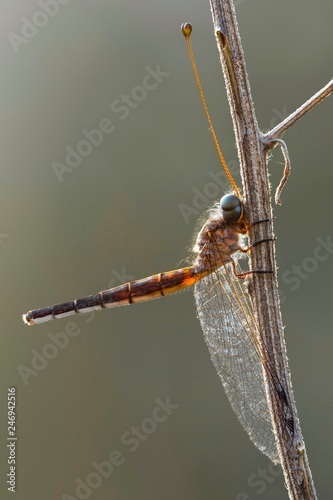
(187, 30)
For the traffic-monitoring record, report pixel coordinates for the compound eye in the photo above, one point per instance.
(232, 208)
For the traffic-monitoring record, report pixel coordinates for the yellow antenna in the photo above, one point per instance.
(187, 30)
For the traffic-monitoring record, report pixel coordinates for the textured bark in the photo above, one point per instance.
(252, 150)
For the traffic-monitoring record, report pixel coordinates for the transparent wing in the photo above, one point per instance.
(230, 332)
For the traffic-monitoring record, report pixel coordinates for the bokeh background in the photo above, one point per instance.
(117, 216)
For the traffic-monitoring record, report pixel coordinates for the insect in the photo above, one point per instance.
(223, 305)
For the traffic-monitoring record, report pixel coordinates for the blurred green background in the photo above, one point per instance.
(117, 214)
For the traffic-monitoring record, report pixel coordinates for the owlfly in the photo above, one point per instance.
(223, 305)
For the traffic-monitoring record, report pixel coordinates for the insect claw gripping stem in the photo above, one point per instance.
(258, 222)
(247, 250)
(258, 243)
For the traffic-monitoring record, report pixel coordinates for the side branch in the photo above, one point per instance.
(268, 138)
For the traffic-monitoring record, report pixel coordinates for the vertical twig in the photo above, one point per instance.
(262, 287)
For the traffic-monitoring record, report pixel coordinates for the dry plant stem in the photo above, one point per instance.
(262, 287)
(270, 140)
(296, 115)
